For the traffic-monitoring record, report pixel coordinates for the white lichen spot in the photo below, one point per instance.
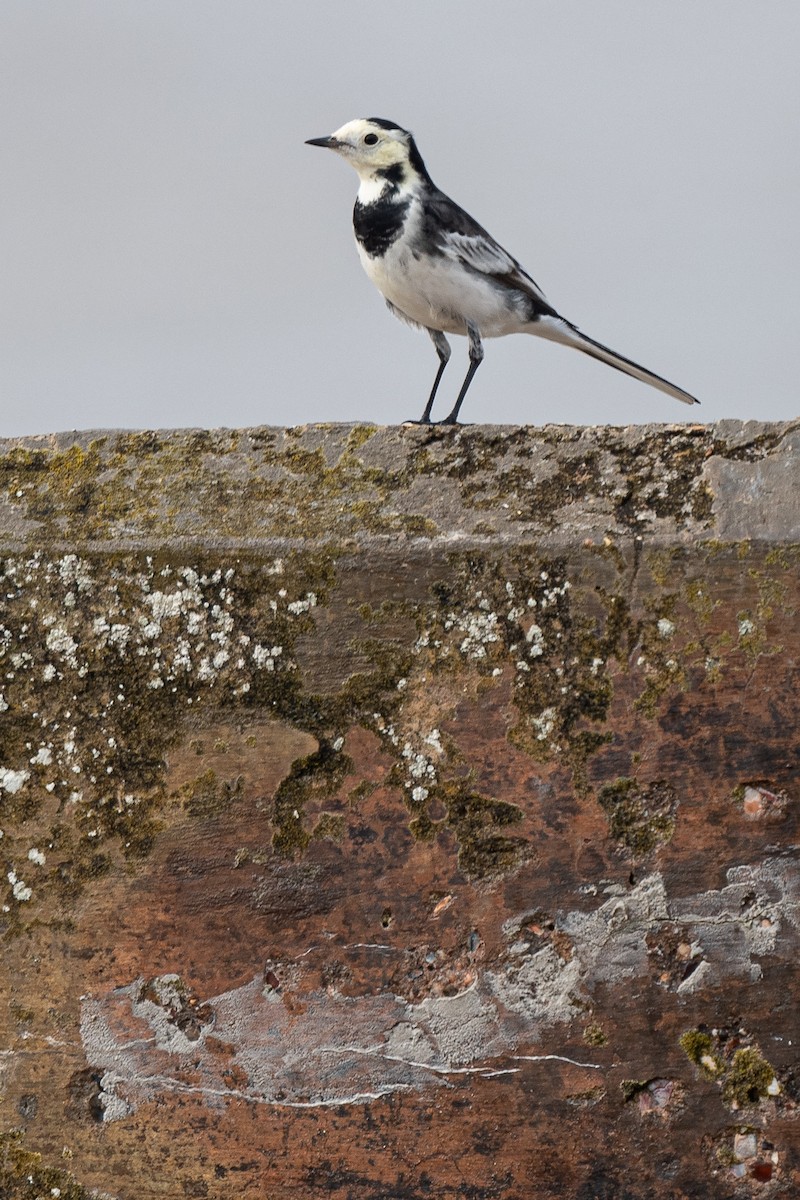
(434, 739)
(418, 794)
(165, 604)
(60, 641)
(12, 781)
(544, 724)
(337, 745)
(480, 629)
(42, 757)
(300, 606)
(746, 626)
(19, 888)
(536, 639)
(264, 656)
(665, 627)
(72, 570)
(36, 856)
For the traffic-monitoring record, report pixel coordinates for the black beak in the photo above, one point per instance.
(330, 143)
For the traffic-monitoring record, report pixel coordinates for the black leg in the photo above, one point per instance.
(475, 360)
(443, 350)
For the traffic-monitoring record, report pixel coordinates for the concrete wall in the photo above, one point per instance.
(400, 812)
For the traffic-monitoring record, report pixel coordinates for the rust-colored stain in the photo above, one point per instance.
(406, 869)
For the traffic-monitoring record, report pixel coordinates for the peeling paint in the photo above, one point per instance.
(340, 1050)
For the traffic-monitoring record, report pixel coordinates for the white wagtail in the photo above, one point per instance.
(438, 269)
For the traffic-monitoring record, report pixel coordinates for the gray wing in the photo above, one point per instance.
(458, 236)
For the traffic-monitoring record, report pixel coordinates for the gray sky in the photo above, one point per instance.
(173, 254)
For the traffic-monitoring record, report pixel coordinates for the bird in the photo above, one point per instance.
(438, 269)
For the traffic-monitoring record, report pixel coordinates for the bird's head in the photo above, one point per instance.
(376, 148)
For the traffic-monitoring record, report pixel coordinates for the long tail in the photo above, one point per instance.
(556, 329)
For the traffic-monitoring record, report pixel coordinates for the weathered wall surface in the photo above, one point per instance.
(400, 812)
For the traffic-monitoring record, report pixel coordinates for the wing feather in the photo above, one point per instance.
(459, 237)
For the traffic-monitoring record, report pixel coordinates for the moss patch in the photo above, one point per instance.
(483, 851)
(742, 1072)
(748, 1079)
(207, 796)
(699, 1049)
(319, 775)
(24, 1175)
(106, 660)
(639, 818)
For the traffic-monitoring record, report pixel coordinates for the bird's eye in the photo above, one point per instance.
(370, 139)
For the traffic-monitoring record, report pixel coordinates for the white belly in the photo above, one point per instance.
(438, 293)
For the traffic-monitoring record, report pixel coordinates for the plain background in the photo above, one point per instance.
(173, 254)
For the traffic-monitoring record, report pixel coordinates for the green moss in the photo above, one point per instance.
(147, 483)
(594, 1035)
(526, 494)
(20, 1014)
(319, 775)
(725, 1154)
(745, 1077)
(784, 557)
(106, 795)
(662, 564)
(483, 851)
(639, 819)
(360, 435)
(748, 1078)
(24, 1175)
(631, 1088)
(696, 1045)
(207, 796)
(361, 791)
(587, 1097)
(330, 825)
(264, 482)
(699, 600)
(59, 484)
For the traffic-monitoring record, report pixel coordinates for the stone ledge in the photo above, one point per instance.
(400, 812)
(732, 481)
